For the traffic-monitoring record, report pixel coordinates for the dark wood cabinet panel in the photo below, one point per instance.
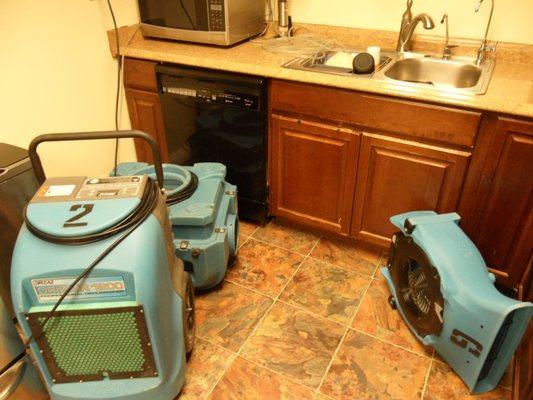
(397, 176)
(498, 198)
(313, 170)
(145, 115)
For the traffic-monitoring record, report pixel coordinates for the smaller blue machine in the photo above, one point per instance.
(203, 215)
(446, 295)
(105, 305)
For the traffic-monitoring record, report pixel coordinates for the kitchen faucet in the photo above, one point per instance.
(484, 46)
(408, 27)
(447, 52)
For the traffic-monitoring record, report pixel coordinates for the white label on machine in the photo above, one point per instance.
(48, 290)
(59, 190)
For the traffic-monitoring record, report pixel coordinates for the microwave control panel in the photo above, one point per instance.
(217, 20)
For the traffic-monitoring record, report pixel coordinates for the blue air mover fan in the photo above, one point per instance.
(446, 295)
(203, 215)
(106, 305)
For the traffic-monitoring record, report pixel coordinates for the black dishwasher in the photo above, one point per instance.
(212, 116)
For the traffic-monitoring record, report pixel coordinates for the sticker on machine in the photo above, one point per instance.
(59, 190)
(101, 287)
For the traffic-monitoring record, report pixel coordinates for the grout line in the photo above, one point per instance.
(280, 247)
(424, 388)
(317, 391)
(234, 357)
(392, 344)
(249, 288)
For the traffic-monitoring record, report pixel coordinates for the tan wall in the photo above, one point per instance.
(57, 75)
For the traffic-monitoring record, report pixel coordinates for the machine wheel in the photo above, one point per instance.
(189, 324)
(392, 302)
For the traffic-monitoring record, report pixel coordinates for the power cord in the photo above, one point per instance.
(119, 69)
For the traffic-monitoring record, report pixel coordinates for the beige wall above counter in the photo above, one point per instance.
(510, 90)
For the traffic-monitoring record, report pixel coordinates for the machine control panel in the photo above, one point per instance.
(128, 186)
(234, 99)
(83, 188)
(217, 21)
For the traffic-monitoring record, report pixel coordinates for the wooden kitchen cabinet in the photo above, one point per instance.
(397, 176)
(313, 169)
(144, 106)
(145, 115)
(498, 197)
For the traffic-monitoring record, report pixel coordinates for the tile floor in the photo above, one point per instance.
(303, 317)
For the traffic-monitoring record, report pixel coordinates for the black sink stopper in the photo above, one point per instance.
(363, 63)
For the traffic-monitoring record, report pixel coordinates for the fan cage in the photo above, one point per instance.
(414, 288)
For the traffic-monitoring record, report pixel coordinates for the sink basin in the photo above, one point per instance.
(459, 75)
(435, 72)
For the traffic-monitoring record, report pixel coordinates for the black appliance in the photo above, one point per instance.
(213, 116)
(17, 187)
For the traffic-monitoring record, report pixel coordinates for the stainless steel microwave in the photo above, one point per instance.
(218, 22)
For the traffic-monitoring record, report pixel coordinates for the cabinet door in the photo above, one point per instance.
(396, 176)
(312, 170)
(498, 198)
(145, 115)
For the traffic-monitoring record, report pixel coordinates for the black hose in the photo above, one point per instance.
(145, 206)
(185, 193)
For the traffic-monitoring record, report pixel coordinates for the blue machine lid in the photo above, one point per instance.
(79, 206)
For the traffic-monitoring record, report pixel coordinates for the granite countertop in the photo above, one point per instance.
(510, 90)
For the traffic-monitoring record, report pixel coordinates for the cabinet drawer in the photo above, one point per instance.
(378, 113)
(140, 74)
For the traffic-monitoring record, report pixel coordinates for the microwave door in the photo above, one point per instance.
(178, 14)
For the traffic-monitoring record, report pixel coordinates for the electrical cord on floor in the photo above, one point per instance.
(119, 69)
(188, 15)
(141, 214)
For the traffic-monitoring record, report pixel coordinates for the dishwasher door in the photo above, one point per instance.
(213, 116)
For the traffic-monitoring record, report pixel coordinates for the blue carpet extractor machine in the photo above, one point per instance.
(203, 215)
(106, 306)
(446, 295)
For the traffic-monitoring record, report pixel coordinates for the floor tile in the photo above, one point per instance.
(264, 267)
(248, 381)
(247, 228)
(444, 384)
(206, 366)
(227, 315)
(294, 343)
(288, 237)
(347, 255)
(367, 368)
(376, 317)
(327, 290)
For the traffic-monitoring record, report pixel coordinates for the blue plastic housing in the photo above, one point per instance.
(142, 262)
(472, 305)
(205, 226)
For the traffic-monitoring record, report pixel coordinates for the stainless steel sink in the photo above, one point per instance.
(442, 74)
(408, 70)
